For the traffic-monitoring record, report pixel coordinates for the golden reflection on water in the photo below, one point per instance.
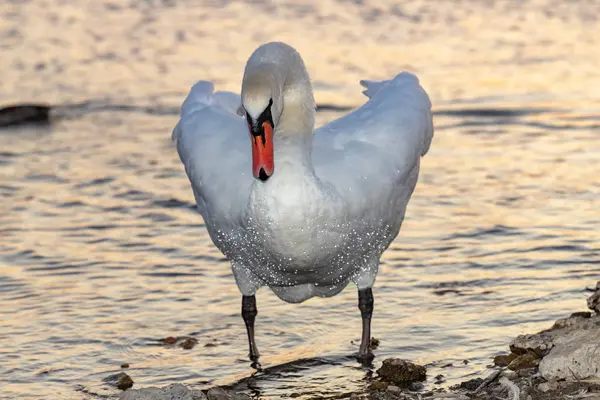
(541, 49)
(102, 253)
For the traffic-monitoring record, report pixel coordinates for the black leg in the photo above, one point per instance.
(249, 313)
(365, 305)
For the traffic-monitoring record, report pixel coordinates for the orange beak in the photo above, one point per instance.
(262, 151)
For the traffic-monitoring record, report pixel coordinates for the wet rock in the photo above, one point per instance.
(400, 371)
(471, 384)
(393, 389)
(524, 361)
(218, 393)
(584, 314)
(439, 379)
(503, 360)
(509, 374)
(185, 342)
(120, 380)
(374, 343)
(526, 372)
(125, 365)
(575, 320)
(169, 340)
(593, 302)
(548, 386)
(378, 385)
(575, 356)
(539, 343)
(188, 343)
(176, 391)
(416, 386)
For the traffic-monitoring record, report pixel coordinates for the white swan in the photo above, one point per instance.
(326, 203)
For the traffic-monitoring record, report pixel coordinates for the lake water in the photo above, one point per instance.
(102, 253)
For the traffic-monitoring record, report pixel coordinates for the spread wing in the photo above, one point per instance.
(372, 154)
(213, 144)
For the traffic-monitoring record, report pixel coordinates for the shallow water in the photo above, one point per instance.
(102, 253)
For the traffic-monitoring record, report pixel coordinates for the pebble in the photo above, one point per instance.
(527, 360)
(374, 343)
(169, 340)
(120, 380)
(393, 389)
(548, 386)
(508, 374)
(189, 343)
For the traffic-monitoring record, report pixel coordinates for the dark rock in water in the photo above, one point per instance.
(185, 342)
(120, 380)
(400, 371)
(125, 365)
(189, 343)
(527, 360)
(374, 343)
(503, 360)
(169, 340)
(471, 384)
(24, 114)
(176, 391)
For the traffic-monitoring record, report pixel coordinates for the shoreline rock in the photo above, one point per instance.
(120, 380)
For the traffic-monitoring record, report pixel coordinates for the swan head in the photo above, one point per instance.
(275, 74)
(261, 100)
